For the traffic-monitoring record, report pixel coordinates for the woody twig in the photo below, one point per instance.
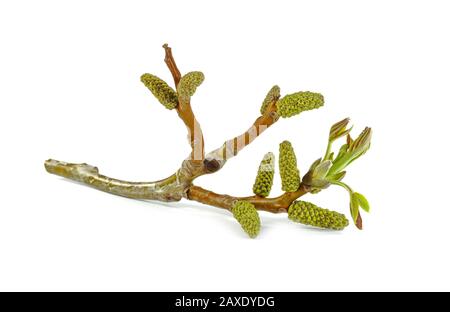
(327, 170)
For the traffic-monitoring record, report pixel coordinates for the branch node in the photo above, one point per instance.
(211, 165)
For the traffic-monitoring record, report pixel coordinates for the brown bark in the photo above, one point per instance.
(170, 61)
(233, 146)
(278, 204)
(185, 112)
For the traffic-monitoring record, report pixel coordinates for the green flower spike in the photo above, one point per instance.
(272, 96)
(290, 175)
(247, 216)
(189, 84)
(293, 104)
(309, 214)
(264, 179)
(161, 90)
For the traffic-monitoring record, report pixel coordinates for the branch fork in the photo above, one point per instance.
(180, 184)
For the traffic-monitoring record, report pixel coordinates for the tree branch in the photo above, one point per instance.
(216, 159)
(278, 204)
(170, 61)
(184, 110)
(166, 190)
(179, 184)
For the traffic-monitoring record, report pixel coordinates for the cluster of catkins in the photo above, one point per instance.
(287, 106)
(299, 211)
(168, 96)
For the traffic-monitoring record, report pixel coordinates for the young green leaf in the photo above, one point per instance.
(354, 207)
(336, 177)
(363, 202)
(330, 156)
(351, 151)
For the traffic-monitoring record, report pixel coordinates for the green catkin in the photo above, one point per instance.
(271, 96)
(247, 216)
(161, 90)
(290, 175)
(264, 179)
(189, 83)
(309, 214)
(293, 104)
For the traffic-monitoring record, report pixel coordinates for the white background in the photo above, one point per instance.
(70, 90)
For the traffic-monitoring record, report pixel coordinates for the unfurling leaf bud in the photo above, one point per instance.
(290, 175)
(189, 83)
(362, 142)
(161, 90)
(351, 151)
(271, 97)
(247, 216)
(293, 104)
(309, 214)
(317, 175)
(339, 129)
(264, 179)
(321, 170)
